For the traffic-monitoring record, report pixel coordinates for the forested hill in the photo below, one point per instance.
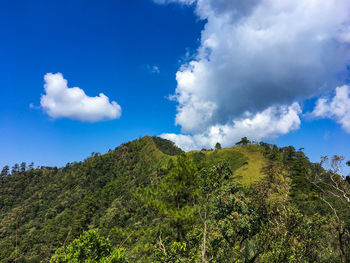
(148, 201)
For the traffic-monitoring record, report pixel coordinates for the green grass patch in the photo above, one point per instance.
(246, 162)
(251, 171)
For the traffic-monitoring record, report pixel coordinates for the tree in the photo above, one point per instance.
(285, 234)
(31, 166)
(5, 171)
(211, 180)
(243, 141)
(334, 190)
(232, 225)
(347, 178)
(173, 197)
(217, 146)
(15, 168)
(89, 247)
(23, 167)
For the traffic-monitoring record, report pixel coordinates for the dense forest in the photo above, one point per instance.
(148, 201)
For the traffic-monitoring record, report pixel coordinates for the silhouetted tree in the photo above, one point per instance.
(23, 167)
(15, 168)
(217, 146)
(31, 166)
(5, 171)
(243, 141)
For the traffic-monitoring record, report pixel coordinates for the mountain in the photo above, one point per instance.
(152, 199)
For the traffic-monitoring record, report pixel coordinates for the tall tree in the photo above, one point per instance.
(243, 141)
(335, 192)
(23, 167)
(217, 146)
(211, 180)
(174, 197)
(5, 171)
(15, 168)
(31, 166)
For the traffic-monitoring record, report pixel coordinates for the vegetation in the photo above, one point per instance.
(89, 247)
(243, 141)
(148, 201)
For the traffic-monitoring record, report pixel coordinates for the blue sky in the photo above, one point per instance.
(137, 53)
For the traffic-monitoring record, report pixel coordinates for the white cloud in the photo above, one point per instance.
(269, 123)
(337, 108)
(255, 55)
(59, 101)
(260, 53)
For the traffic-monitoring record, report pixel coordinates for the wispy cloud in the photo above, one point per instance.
(153, 69)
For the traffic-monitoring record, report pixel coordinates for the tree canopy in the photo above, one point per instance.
(243, 141)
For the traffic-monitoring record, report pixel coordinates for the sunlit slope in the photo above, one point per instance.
(252, 171)
(247, 162)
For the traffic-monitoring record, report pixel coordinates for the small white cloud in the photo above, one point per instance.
(59, 101)
(269, 123)
(336, 108)
(153, 69)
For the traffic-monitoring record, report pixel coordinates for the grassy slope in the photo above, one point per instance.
(246, 162)
(252, 171)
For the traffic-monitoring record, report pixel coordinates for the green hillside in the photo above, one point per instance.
(251, 203)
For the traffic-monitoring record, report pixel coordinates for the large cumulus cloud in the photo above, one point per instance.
(60, 101)
(257, 54)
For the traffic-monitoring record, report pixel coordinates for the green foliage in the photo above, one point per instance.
(44, 207)
(217, 146)
(15, 168)
(232, 223)
(252, 203)
(177, 252)
(89, 247)
(5, 171)
(23, 167)
(166, 146)
(243, 141)
(286, 235)
(174, 196)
